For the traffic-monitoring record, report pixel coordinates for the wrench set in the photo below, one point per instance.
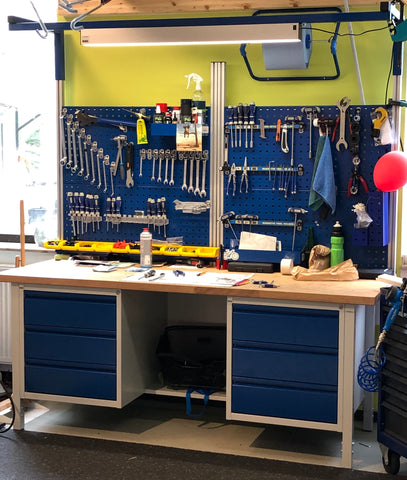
(264, 179)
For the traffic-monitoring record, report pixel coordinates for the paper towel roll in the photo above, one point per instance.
(286, 265)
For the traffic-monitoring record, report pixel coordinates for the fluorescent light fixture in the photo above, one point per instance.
(191, 35)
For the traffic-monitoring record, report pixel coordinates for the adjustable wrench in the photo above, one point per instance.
(99, 157)
(343, 105)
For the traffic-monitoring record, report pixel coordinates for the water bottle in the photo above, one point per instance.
(337, 240)
(146, 244)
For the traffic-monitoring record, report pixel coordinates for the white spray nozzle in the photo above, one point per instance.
(196, 78)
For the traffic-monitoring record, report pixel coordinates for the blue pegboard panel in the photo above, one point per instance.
(268, 161)
(194, 228)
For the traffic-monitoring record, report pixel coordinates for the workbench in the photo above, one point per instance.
(292, 352)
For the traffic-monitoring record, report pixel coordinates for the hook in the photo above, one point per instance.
(84, 15)
(44, 28)
(68, 6)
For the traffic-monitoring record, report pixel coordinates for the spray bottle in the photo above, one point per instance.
(198, 98)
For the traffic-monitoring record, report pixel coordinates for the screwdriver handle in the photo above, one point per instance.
(246, 111)
(252, 111)
(240, 113)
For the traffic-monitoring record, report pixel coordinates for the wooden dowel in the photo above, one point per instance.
(22, 233)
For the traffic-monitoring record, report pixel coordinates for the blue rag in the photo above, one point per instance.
(323, 183)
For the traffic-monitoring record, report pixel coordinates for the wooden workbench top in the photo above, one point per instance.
(65, 273)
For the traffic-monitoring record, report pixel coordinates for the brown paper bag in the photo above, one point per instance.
(344, 271)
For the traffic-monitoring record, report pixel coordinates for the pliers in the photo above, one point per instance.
(353, 183)
(244, 177)
(232, 177)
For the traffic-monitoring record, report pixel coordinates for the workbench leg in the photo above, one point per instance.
(347, 383)
(372, 319)
(17, 351)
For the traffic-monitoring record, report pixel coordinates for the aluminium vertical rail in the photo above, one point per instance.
(218, 70)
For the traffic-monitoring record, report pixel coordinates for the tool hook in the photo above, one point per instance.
(44, 33)
(79, 18)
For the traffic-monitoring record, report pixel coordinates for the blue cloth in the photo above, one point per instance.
(323, 187)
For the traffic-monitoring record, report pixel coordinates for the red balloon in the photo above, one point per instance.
(390, 172)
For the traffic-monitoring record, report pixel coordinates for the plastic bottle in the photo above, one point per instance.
(198, 98)
(146, 244)
(337, 240)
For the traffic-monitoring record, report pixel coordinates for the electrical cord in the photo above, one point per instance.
(5, 427)
(346, 34)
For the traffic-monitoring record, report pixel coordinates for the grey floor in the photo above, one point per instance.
(161, 422)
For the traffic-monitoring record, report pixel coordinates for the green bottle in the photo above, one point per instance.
(337, 240)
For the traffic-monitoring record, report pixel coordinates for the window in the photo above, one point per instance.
(28, 124)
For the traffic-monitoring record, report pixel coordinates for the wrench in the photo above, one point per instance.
(167, 157)
(93, 149)
(62, 134)
(112, 169)
(75, 127)
(106, 159)
(99, 157)
(142, 157)
(184, 157)
(198, 156)
(343, 105)
(69, 120)
(129, 165)
(161, 156)
(173, 157)
(87, 141)
(155, 156)
(204, 160)
(81, 136)
(191, 171)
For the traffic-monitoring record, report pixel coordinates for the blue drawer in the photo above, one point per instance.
(285, 325)
(69, 349)
(70, 311)
(295, 403)
(294, 366)
(70, 382)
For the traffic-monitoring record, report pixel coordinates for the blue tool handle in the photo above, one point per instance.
(240, 113)
(108, 205)
(230, 114)
(252, 111)
(96, 203)
(246, 111)
(81, 201)
(234, 113)
(159, 207)
(149, 208)
(118, 205)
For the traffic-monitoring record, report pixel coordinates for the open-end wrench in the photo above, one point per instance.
(191, 171)
(112, 169)
(75, 127)
(81, 136)
(184, 156)
(142, 157)
(93, 150)
(167, 157)
(155, 157)
(129, 165)
(121, 141)
(87, 141)
(62, 135)
(161, 155)
(69, 120)
(343, 105)
(106, 159)
(173, 157)
(198, 156)
(204, 160)
(99, 158)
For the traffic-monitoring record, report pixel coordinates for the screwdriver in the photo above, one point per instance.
(96, 208)
(240, 121)
(252, 111)
(148, 274)
(108, 211)
(71, 211)
(245, 120)
(230, 122)
(234, 109)
(118, 206)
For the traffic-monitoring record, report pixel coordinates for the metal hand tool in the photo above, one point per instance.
(148, 274)
(155, 157)
(311, 113)
(96, 209)
(296, 212)
(161, 156)
(167, 158)
(76, 211)
(179, 273)
(93, 149)
(240, 121)
(69, 120)
(81, 199)
(232, 178)
(191, 171)
(108, 212)
(226, 217)
(235, 121)
(244, 177)
(205, 155)
(87, 213)
(162, 274)
(87, 142)
(183, 156)
(81, 136)
(356, 177)
(117, 208)
(112, 169)
(246, 122)
(62, 135)
(252, 111)
(72, 211)
(142, 157)
(343, 105)
(129, 165)
(121, 141)
(173, 157)
(230, 123)
(99, 159)
(75, 127)
(106, 159)
(198, 156)
(284, 142)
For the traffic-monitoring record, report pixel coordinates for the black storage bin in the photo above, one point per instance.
(193, 356)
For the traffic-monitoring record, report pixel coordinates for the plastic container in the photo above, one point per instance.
(146, 248)
(337, 241)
